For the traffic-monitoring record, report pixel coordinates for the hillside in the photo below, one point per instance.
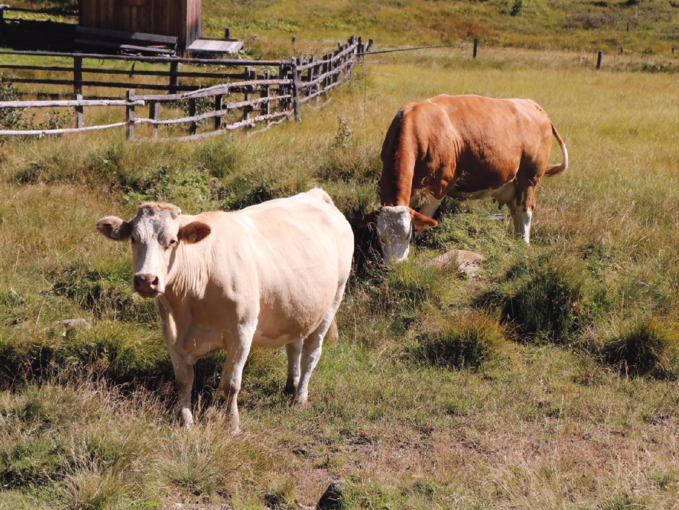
(539, 24)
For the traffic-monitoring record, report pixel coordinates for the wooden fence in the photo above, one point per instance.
(268, 96)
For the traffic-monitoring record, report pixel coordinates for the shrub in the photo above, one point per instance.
(644, 346)
(551, 301)
(462, 341)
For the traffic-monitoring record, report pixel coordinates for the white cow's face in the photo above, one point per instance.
(394, 228)
(154, 235)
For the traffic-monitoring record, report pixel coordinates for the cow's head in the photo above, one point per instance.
(155, 234)
(395, 228)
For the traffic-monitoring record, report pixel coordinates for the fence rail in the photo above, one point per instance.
(259, 98)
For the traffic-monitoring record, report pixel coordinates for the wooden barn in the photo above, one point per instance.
(134, 19)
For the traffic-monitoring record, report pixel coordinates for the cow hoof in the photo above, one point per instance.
(290, 390)
(187, 419)
(302, 401)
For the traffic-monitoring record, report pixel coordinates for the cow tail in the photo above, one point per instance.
(333, 333)
(557, 169)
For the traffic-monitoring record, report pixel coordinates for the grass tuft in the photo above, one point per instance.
(644, 346)
(461, 342)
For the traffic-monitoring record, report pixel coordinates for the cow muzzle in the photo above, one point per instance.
(148, 285)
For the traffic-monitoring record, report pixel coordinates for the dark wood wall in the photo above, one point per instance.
(181, 18)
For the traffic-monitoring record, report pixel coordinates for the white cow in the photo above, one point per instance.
(270, 275)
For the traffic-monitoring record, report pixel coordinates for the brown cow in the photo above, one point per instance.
(271, 275)
(467, 147)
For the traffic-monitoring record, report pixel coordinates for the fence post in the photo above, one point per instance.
(265, 93)
(77, 75)
(476, 45)
(193, 126)
(361, 47)
(154, 114)
(174, 79)
(335, 65)
(79, 113)
(311, 75)
(218, 107)
(599, 57)
(295, 89)
(130, 115)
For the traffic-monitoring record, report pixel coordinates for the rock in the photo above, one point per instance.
(468, 262)
(332, 497)
(73, 323)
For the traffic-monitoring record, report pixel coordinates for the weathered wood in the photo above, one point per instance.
(77, 75)
(250, 122)
(223, 88)
(218, 108)
(168, 40)
(599, 58)
(193, 126)
(69, 103)
(79, 113)
(99, 56)
(121, 46)
(174, 79)
(154, 114)
(476, 45)
(37, 68)
(110, 84)
(266, 107)
(130, 115)
(295, 89)
(42, 132)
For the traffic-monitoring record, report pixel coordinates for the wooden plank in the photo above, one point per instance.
(111, 84)
(174, 79)
(69, 103)
(99, 56)
(120, 46)
(229, 127)
(140, 37)
(42, 132)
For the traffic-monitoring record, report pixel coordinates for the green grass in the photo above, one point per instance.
(549, 382)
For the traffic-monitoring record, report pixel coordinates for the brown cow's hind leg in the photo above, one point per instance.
(521, 210)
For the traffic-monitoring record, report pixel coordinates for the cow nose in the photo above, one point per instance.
(146, 282)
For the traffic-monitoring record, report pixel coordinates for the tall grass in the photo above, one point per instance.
(554, 421)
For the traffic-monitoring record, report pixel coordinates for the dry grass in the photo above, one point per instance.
(539, 425)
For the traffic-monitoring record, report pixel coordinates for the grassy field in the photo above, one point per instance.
(549, 382)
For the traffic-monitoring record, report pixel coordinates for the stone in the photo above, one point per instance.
(468, 262)
(73, 323)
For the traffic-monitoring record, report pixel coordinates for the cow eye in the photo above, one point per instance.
(132, 241)
(172, 242)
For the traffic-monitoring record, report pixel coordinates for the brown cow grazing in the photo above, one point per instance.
(466, 147)
(270, 275)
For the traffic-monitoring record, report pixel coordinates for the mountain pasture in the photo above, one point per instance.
(548, 382)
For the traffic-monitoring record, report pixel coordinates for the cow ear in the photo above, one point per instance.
(194, 232)
(114, 228)
(366, 220)
(420, 221)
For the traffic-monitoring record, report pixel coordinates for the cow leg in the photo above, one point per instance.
(521, 210)
(237, 350)
(312, 347)
(183, 374)
(294, 351)
(431, 204)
